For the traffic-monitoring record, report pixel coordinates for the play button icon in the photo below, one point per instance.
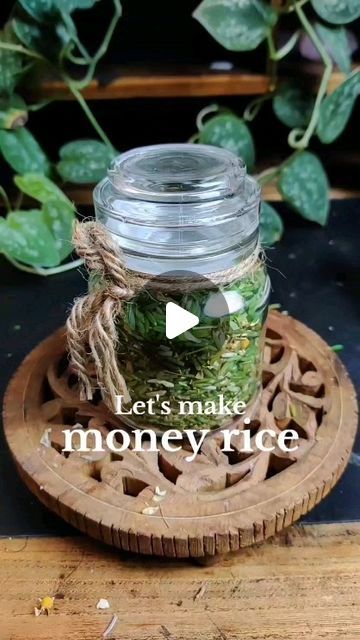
(178, 320)
(160, 313)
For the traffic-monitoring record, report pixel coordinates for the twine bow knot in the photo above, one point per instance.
(91, 326)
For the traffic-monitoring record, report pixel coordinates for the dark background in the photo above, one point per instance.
(314, 271)
(164, 35)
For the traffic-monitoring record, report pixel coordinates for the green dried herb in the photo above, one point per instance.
(218, 356)
(336, 348)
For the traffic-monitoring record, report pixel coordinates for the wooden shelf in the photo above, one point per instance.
(83, 196)
(116, 82)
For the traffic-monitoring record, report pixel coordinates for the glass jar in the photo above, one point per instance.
(180, 210)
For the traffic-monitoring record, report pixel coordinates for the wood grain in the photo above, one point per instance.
(212, 505)
(305, 584)
(122, 84)
(116, 83)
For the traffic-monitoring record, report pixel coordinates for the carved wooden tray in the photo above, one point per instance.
(157, 503)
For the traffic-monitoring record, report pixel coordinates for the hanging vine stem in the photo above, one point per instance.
(211, 108)
(279, 54)
(272, 173)
(76, 86)
(19, 200)
(5, 198)
(39, 105)
(268, 175)
(89, 114)
(294, 140)
(194, 138)
(76, 59)
(50, 271)
(81, 84)
(18, 48)
(271, 67)
(68, 21)
(253, 108)
(289, 7)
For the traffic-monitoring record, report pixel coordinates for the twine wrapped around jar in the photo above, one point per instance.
(92, 324)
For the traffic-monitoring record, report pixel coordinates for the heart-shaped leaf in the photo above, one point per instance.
(84, 161)
(237, 25)
(59, 216)
(28, 32)
(231, 133)
(336, 43)
(337, 11)
(304, 185)
(11, 65)
(39, 9)
(24, 236)
(72, 5)
(13, 112)
(271, 225)
(336, 109)
(293, 106)
(40, 188)
(22, 151)
(47, 38)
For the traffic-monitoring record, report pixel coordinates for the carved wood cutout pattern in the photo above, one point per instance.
(159, 503)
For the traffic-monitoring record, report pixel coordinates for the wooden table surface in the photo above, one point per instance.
(302, 584)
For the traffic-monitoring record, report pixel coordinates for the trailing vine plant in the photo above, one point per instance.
(40, 37)
(242, 26)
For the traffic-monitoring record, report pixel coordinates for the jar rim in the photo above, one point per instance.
(177, 173)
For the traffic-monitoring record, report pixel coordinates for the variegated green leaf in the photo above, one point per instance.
(231, 133)
(238, 25)
(304, 185)
(24, 236)
(23, 152)
(271, 225)
(40, 188)
(59, 216)
(84, 161)
(336, 109)
(337, 11)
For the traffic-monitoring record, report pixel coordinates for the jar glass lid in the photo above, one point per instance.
(177, 173)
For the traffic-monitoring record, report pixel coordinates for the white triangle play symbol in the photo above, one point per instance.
(178, 320)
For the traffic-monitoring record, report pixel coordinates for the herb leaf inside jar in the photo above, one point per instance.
(221, 355)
